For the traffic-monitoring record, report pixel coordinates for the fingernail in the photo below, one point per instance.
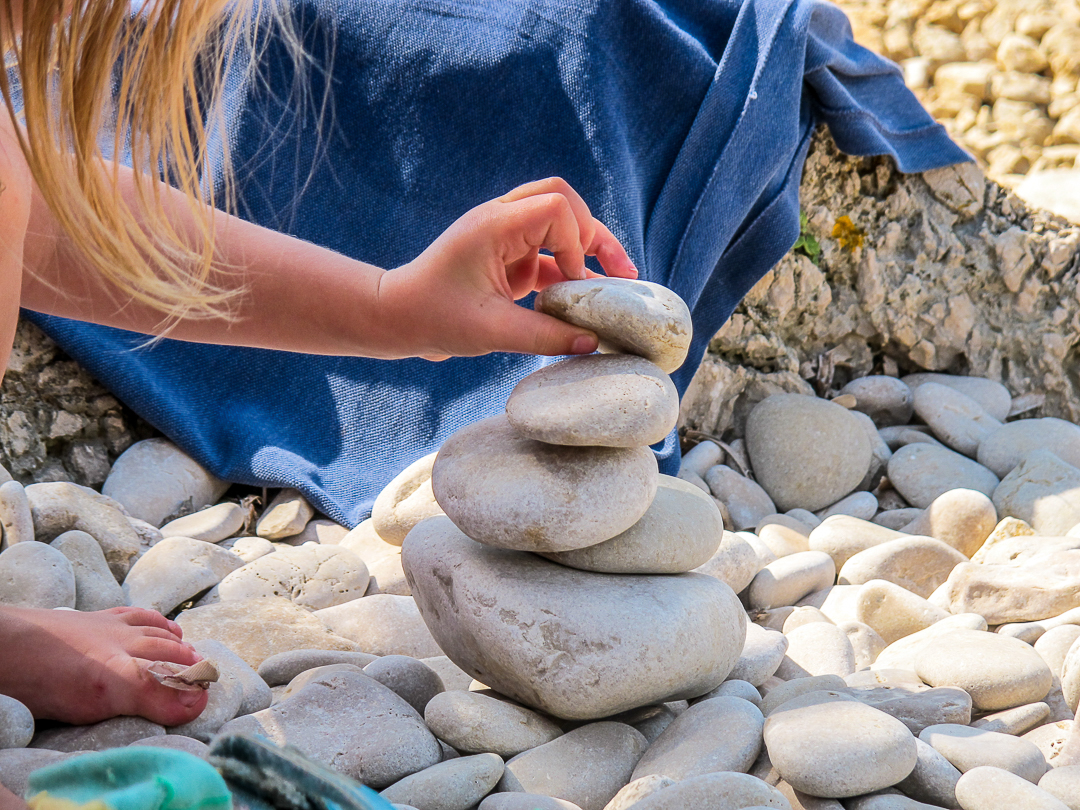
(189, 699)
(583, 344)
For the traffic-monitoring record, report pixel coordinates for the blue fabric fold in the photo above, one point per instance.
(683, 123)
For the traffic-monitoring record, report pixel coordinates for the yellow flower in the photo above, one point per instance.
(848, 234)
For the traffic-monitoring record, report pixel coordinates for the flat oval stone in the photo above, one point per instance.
(787, 580)
(281, 668)
(629, 317)
(212, 524)
(886, 400)
(286, 516)
(716, 791)
(16, 723)
(761, 655)
(680, 531)
(919, 564)
(1015, 721)
(175, 570)
(156, 481)
(746, 501)
(893, 611)
(256, 629)
(989, 788)
(353, 724)
(586, 766)
(934, 778)
(382, 624)
(1006, 447)
(507, 491)
(456, 783)
(968, 748)
(311, 576)
(833, 746)
(405, 501)
(558, 639)
(411, 679)
(719, 734)
(819, 648)
(475, 723)
(963, 518)
(36, 575)
(735, 562)
(958, 420)
(95, 586)
(991, 395)
(1063, 783)
(16, 521)
(843, 536)
(1042, 490)
(922, 472)
(998, 672)
(112, 733)
(606, 400)
(806, 452)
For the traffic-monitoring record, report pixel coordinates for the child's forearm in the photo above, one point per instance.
(296, 296)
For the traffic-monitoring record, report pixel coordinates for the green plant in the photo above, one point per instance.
(806, 244)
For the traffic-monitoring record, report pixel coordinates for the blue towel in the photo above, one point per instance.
(684, 124)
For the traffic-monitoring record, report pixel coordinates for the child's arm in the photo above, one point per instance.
(456, 298)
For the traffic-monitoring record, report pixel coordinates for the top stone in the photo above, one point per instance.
(629, 317)
(504, 490)
(613, 400)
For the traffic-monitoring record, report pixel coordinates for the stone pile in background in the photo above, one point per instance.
(1002, 75)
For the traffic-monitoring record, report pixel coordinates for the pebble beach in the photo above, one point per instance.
(869, 601)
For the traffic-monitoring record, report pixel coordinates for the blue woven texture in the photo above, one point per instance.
(684, 124)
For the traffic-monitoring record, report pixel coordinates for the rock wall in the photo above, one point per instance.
(57, 423)
(941, 271)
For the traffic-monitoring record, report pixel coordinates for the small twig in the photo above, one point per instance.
(701, 435)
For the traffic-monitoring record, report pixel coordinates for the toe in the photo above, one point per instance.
(162, 649)
(161, 704)
(148, 618)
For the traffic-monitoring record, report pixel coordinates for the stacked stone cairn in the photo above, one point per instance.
(558, 576)
(906, 555)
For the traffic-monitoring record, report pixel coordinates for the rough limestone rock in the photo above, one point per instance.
(311, 576)
(806, 452)
(612, 400)
(940, 272)
(511, 492)
(256, 629)
(629, 317)
(561, 640)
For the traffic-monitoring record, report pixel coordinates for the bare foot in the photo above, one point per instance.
(9, 801)
(87, 667)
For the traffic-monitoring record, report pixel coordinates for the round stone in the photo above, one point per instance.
(963, 518)
(998, 672)
(918, 564)
(989, 788)
(95, 586)
(606, 400)
(460, 782)
(886, 400)
(966, 748)
(572, 643)
(312, 576)
(806, 452)
(504, 490)
(922, 472)
(412, 680)
(787, 580)
(405, 501)
(36, 575)
(175, 570)
(991, 395)
(716, 791)
(1003, 449)
(16, 723)
(956, 419)
(629, 317)
(473, 723)
(681, 530)
(832, 746)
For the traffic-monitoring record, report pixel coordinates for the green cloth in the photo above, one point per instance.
(141, 778)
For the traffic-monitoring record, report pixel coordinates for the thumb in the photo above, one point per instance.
(517, 329)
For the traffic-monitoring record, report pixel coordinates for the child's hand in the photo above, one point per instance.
(457, 297)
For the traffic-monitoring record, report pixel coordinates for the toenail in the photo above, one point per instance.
(189, 699)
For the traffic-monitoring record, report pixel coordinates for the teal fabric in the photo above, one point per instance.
(141, 778)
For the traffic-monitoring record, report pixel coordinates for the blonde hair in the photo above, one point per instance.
(98, 79)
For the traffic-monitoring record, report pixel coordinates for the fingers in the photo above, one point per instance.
(516, 329)
(595, 238)
(544, 221)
